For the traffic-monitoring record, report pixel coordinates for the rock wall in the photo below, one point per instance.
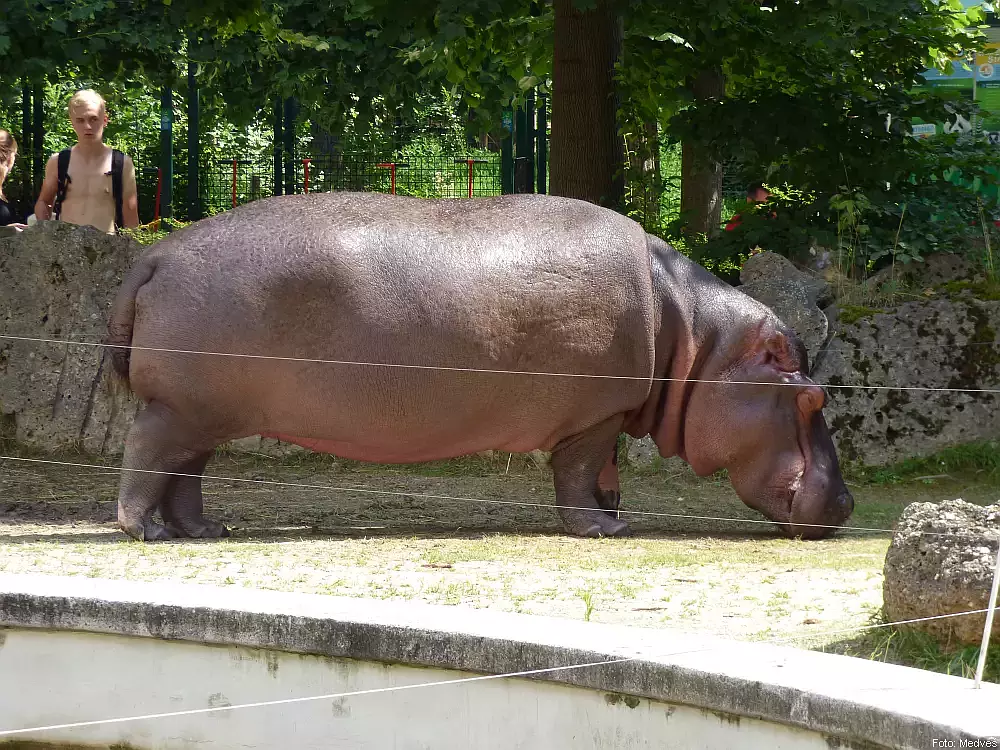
(941, 343)
(57, 281)
(947, 339)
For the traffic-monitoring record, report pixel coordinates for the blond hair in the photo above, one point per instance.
(8, 147)
(84, 97)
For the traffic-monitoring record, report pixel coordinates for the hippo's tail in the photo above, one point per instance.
(118, 342)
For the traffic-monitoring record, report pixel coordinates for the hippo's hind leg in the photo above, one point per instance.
(158, 445)
(182, 506)
(577, 464)
(609, 494)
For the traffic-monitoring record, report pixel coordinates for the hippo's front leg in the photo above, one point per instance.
(182, 506)
(577, 464)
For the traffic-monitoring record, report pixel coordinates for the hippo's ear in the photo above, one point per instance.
(775, 350)
(810, 400)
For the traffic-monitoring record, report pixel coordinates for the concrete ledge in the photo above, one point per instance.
(848, 700)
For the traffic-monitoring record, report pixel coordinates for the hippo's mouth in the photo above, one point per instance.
(817, 505)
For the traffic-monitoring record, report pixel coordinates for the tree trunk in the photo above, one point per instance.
(586, 155)
(701, 176)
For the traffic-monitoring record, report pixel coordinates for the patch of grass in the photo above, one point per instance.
(853, 313)
(979, 458)
(452, 593)
(588, 602)
(912, 648)
(986, 289)
(777, 605)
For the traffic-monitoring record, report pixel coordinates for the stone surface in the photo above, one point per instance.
(936, 343)
(847, 699)
(643, 454)
(767, 267)
(793, 295)
(57, 281)
(941, 561)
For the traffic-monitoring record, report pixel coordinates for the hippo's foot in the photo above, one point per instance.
(609, 501)
(200, 528)
(592, 523)
(146, 530)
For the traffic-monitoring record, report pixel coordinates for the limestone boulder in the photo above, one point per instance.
(57, 281)
(941, 561)
(795, 296)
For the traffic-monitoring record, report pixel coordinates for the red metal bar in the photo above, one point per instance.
(234, 183)
(391, 166)
(469, 163)
(305, 164)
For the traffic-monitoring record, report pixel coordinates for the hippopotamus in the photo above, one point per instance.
(394, 329)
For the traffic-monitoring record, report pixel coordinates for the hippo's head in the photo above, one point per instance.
(765, 425)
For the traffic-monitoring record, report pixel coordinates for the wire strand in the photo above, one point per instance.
(427, 496)
(393, 365)
(920, 347)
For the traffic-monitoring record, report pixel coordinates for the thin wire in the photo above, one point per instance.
(921, 347)
(490, 371)
(456, 681)
(426, 496)
(305, 699)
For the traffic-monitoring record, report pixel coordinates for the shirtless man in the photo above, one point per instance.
(89, 197)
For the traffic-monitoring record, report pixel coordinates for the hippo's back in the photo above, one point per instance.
(519, 283)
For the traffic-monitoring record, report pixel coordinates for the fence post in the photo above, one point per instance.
(507, 152)
(194, 194)
(990, 609)
(156, 203)
(542, 146)
(391, 166)
(524, 140)
(234, 183)
(278, 179)
(305, 169)
(166, 176)
(291, 111)
(469, 162)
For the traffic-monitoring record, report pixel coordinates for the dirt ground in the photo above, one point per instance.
(470, 532)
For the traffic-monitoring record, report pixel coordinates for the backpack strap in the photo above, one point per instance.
(117, 166)
(64, 181)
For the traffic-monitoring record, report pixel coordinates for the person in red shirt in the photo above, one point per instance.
(756, 193)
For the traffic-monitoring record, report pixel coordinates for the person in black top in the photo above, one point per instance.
(8, 152)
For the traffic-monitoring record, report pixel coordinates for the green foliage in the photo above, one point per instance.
(154, 232)
(941, 198)
(809, 90)
(853, 313)
(986, 289)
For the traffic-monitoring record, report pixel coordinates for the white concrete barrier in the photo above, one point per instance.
(81, 650)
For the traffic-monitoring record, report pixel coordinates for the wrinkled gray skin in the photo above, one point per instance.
(533, 284)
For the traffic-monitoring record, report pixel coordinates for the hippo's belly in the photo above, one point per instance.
(416, 452)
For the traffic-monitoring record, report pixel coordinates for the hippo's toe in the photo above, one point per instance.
(148, 531)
